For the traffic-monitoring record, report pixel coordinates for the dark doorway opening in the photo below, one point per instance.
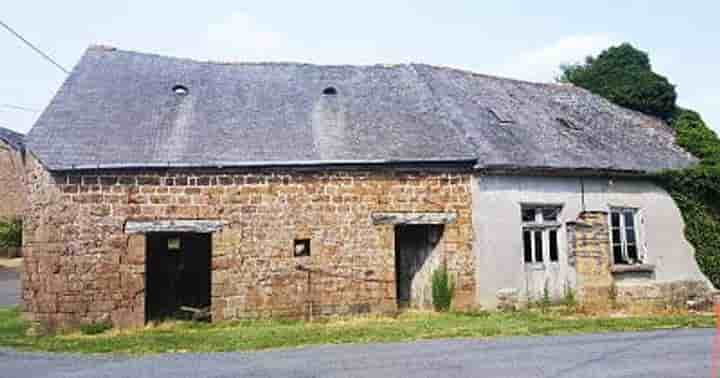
(177, 275)
(414, 245)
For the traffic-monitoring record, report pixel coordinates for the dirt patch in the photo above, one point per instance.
(13, 264)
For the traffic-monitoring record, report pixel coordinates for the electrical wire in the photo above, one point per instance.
(37, 50)
(18, 107)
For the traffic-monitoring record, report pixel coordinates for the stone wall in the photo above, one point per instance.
(81, 266)
(589, 252)
(13, 194)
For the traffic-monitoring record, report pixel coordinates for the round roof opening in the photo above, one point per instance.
(180, 90)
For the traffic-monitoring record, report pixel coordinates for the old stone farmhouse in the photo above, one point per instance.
(282, 189)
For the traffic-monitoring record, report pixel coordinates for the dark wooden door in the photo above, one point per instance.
(177, 273)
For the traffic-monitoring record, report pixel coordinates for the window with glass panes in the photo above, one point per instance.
(540, 233)
(624, 235)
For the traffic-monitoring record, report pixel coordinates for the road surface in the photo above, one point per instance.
(9, 287)
(667, 353)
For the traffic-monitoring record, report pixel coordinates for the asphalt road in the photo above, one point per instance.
(671, 353)
(9, 288)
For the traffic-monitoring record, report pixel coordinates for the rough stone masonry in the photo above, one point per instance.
(82, 266)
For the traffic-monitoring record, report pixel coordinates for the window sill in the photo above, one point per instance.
(541, 265)
(635, 268)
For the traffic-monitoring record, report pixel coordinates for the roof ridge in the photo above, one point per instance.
(106, 48)
(496, 77)
(110, 49)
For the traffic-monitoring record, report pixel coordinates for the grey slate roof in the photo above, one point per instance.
(117, 109)
(14, 139)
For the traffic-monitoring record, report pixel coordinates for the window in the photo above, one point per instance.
(301, 247)
(540, 233)
(330, 91)
(553, 249)
(624, 235)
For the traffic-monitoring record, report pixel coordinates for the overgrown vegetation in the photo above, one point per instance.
(264, 334)
(624, 75)
(10, 233)
(442, 288)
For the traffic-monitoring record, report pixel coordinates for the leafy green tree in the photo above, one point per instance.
(623, 75)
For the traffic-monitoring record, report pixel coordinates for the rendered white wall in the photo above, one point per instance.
(497, 224)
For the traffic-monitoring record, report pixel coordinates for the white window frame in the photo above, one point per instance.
(638, 222)
(539, 224)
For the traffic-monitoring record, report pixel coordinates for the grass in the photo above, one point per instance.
(264, 334)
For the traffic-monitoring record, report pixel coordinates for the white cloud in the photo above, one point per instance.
(241, 37)
(542, 64)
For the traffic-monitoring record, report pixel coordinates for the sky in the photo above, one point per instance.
(519, 39)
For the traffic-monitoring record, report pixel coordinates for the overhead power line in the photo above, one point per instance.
(37, 50)
(18, 107)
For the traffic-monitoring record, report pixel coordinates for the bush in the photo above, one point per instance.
(10, 233)
(442, 288)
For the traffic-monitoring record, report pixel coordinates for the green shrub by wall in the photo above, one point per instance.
(442, 288)
(697, 190)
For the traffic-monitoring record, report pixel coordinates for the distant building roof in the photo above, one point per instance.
(127, 109)
(12, 138)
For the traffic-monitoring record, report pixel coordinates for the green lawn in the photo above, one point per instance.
(263, 334)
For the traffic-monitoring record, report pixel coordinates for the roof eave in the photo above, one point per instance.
(469, 162)
(563, 171)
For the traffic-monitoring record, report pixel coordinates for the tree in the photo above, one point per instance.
(623, 75)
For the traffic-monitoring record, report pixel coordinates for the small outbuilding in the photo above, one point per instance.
(13, 192)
